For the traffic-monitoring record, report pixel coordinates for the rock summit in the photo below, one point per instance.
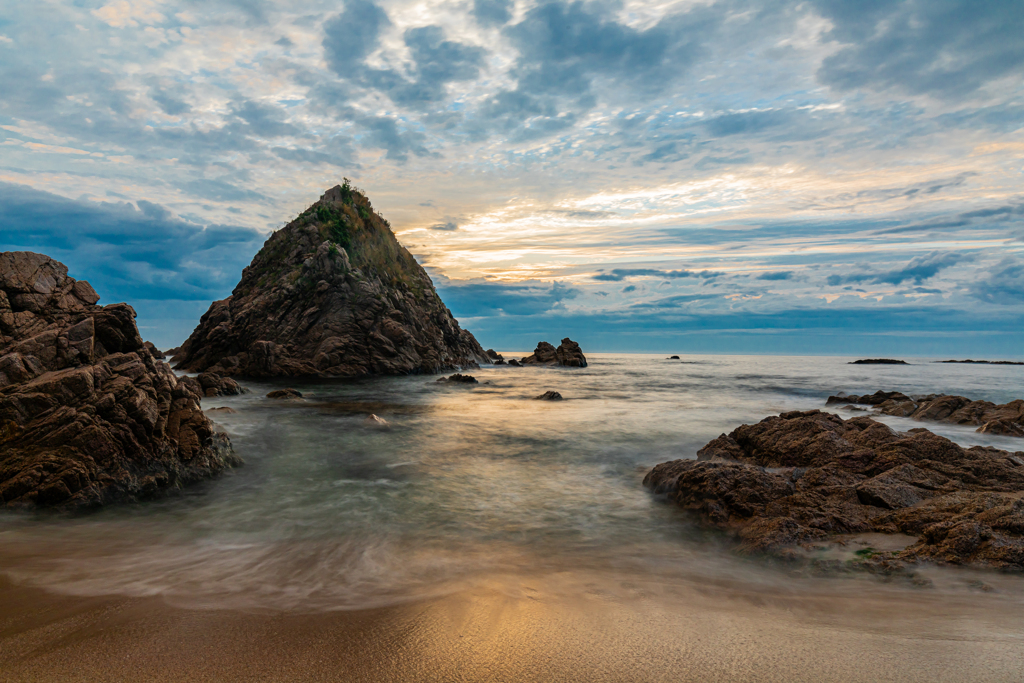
(332, 294)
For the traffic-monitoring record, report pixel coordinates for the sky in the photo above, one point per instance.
(829, 176)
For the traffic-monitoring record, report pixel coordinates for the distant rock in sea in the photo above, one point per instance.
(549, 396)
(878, 361)
(568, 354)
(799, 479)
(494, 355)
(88, 415)
(332, 294)
(285, 394)
(1006, 419)
(458, 378)
(983, 362)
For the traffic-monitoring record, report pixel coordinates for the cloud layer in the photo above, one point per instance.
(639, 165)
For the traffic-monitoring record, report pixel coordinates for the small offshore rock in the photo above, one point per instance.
(878, 361)
(376, 422)
(549, 396)
(459, 379)
(568, 354)
(515, 364)
(673, 357)
(500, 362)
(493, 355)
(223, 410)
(285, 393)
(1006, 419)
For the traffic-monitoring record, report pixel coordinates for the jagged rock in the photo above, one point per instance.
(376, 422)
(87, 415)
(459, 379)
(493, 355)
(803, 477)
(548, 396)
(1006, 419)
(332, 294)
(155, 352)
(568, 354)
(285, 393)
(515, 364)
(214, 385)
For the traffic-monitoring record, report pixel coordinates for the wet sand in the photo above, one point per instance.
(567, 627)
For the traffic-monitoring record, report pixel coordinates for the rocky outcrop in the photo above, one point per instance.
(983, 362)
(285, 393)
(494, 355)
(458, 378)
(213, 384)
(87, 415)
(568, 354)
(802, 478)
(1006, 419)
(332, 294)
(548, 396)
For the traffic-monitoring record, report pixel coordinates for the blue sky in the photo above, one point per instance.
(794, 177)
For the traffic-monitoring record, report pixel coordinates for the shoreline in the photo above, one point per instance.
(563, 627)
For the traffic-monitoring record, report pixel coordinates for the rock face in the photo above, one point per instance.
(332, 294)
(87, 415)
(1006, 419)
(568, 354)
(803, 477)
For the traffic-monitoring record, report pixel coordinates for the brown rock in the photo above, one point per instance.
(459, 379)
(1006, 419)
(213, 384)
(285, 393)
(332, 294)
(87, 415)
(549, 396)
(804, 477)
(568, 354)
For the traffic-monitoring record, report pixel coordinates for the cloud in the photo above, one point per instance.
(448, 226)
(919, 269)
(1004, 286)
(493, 12)
(628, 288)
(776, 275)
(619, 274)
(484, 298)
(944, 48)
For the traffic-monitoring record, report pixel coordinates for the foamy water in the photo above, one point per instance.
(473, 482)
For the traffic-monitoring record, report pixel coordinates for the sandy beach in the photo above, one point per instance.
(568, 627)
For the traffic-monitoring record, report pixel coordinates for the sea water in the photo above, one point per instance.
(471, 482)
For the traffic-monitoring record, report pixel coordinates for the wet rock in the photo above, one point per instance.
(332, 294)
(285, 394)
(500, 362)
(459, 379)
(1006, 419)
(88, 416)
(493, 355)
(568, 354)
(549, 396)
(224, 410)
(213, 384)
(376, 422)
(515, 364)
(804, 477)
(673, 357)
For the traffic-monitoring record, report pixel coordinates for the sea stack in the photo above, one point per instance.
(568, 354)
(88, 416)
(332, 294)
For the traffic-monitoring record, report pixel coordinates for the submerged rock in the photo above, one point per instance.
(459, 379)
(1006, 419)
(568, 354)
(376, 422)
(804, 477)
(285, 393)
(673, 357)
(332, 294)
(548, 396)
(88, 416)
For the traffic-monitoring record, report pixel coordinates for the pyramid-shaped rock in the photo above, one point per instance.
(332, 294)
